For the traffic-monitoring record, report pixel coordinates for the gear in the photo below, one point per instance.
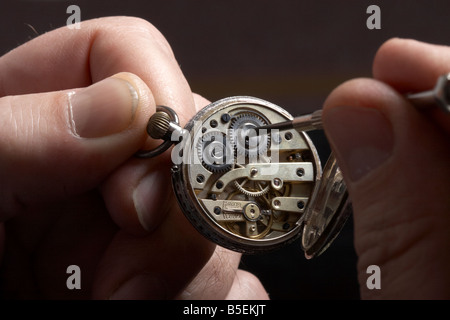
(215, 152)
(256, 191)
(244, 139)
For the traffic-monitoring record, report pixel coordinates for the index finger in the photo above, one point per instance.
(413, 66)
(66, 59)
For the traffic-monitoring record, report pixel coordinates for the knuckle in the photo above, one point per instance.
(139, 27)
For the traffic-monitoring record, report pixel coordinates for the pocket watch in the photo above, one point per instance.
(248, 177)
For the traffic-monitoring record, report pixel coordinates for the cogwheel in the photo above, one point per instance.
(255, 191)
(215, 152)
(244, 139)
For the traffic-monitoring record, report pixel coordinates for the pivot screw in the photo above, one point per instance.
(225, 118)
(219, 184)
(288, 135)
(200, 178)
(213, 123)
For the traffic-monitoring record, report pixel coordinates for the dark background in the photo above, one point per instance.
(292, 53)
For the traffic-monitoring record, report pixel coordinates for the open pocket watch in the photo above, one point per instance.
(248, 177)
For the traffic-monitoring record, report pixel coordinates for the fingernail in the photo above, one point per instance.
(150, 197)
(362, 139)
(141, 287)
(105, 108)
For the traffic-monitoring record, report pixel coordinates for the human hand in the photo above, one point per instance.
(71, 191)
(396, 163)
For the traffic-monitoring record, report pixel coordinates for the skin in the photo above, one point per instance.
(400, 198)
(69, 200)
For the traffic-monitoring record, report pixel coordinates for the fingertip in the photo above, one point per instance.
(117, 191)
(358, 92)
(200, 102)
(137, 195)
(146, 104)
(388, 48)
(410, 65)
(386, 59)
(151, 198)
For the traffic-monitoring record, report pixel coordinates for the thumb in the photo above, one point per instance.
(59, 144)
(395, 163)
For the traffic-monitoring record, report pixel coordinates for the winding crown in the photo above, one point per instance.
(158, 125)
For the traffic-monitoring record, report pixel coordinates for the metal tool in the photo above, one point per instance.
(439, 96)
(311, 121)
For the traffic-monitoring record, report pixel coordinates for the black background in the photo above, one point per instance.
(292, 53)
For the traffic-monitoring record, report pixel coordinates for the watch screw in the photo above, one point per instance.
(219, 184)
(213, 123)
(225, 118)
(200, 178)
